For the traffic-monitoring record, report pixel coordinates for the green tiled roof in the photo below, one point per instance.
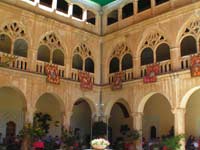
(102, 2)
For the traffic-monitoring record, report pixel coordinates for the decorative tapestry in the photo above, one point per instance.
(152, 72)
(85, 80)
(117, 81)
(195, 66)
(52, 73)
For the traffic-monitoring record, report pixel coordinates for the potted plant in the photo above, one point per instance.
(134, 135)
(99, 144)
(68, 139)
(173, 143)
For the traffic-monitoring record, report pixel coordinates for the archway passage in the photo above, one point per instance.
(158, 119)
(120, 122)
(81, 120)
(51, 105)
(192, 118)
(12, 107)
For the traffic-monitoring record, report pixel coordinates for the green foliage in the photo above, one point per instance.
(31, 131)
(99, 129)
(134, 134)
(43, 121)
(173, 143)
(68, 138)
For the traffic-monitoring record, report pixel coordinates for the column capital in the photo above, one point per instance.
(178, 110)
(137, 114)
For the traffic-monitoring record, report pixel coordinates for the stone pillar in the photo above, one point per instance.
(84, 18)
(153, 4)
(29, 115)
(136, 68)
(66, 120)
(137, 124)
(119, 14)
(179, 123)
(175, 58)
(135, 6)
(70, 9)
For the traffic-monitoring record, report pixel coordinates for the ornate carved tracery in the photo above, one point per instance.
(83, 51)
(192, 28)
(14, 30)
(52, 41)
(153, 40)
(120, 50)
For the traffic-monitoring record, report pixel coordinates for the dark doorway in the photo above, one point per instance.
(153, 132)
(10, 129)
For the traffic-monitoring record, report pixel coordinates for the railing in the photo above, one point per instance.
(75, 77)
(40, 68)
(12, 61)
(165, 67)
(127, 75)
(185, 62)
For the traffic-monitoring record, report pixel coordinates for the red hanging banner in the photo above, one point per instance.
(85, 80)
(117, 81)
(195, 66)
(52, 73)
(152, 72)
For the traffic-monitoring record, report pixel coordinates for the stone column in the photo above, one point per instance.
(119, 14)
(135, 6)
(136, 68)
(179, 123)
(137, 124)
(29, 115)
(175, 58)
(66, 120)
(70, 9)
(84, 17)
(153, 4)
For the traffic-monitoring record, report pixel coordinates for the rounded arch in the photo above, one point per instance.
(187, 95)
(20, 47)
(43, 53)
(89, 65)
(111, 103)
(127, 62)
(147, 56)
(56, 97)
(17, 90)
(77, 62)
(114, 65)
(58, 57)
(144, 100)
(162, 52)
(5, 43)
(188, 45)
(88, 101)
